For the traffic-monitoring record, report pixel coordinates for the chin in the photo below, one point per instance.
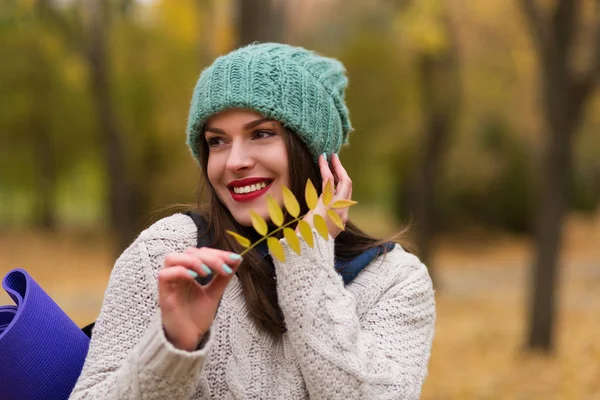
(243, 220)
(242, 216)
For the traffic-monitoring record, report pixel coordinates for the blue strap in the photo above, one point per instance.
(349, 269)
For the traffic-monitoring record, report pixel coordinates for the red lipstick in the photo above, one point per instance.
(244, 197)
(246, 182)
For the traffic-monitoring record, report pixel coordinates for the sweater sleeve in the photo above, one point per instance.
(129, 356)
(381, 355)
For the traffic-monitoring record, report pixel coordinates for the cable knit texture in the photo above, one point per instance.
(370, 339)
(295, 86)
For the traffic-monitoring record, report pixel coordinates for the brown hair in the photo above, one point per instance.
(256, 274)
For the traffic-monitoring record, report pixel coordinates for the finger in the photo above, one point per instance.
(332, 163)
(217, 263)
(216, 287)
(188, 261)
(344, 186)
(172, 279)
(326, 173)
(228, 257)
(346, 210)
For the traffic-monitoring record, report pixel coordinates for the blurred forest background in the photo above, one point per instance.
(477, 123)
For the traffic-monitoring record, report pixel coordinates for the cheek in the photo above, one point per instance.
(285, 171)
(278, 160)
(212, 171)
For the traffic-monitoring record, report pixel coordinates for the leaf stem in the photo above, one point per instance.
(253, 245)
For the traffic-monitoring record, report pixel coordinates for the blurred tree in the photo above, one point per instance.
(85, 27)
(32, 83)
(123, 212)
(428, 26)
(261, 20)
(44, 149)
(564, 92)
(39, 75)
(202, 9)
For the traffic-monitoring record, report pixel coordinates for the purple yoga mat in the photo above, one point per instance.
(41, 350)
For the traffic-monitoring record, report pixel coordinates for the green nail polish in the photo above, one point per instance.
(235, 257)
(227, 269)
(206, 269)
(325, 156)
(193, 274)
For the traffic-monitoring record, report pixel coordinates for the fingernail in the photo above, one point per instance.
(337, 156)
(235, 257)
(325, 156)
(206, 269)
(227, 269)
(193, 274)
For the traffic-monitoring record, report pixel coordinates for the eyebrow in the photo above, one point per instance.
(249, 125)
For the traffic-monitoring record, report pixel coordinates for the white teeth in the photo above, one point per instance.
(250, 188)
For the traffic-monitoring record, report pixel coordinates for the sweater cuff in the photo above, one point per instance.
(311, 262)
(163, 359)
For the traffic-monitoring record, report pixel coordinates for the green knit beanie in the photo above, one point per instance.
(295, 86)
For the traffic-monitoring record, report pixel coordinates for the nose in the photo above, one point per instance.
(239, 158)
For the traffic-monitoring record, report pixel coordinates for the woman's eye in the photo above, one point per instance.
(263, 134)
(214, 141)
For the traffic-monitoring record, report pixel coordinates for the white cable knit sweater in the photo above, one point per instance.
(368, 340)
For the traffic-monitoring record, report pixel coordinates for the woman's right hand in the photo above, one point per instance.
(188, 308)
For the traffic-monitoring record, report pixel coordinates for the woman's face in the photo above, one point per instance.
(247, 158)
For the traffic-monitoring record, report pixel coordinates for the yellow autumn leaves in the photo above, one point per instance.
(293, 208)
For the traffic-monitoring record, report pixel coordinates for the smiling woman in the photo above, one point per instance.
(349, 317)
(247, 157)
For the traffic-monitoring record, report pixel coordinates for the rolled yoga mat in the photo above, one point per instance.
(41, 349)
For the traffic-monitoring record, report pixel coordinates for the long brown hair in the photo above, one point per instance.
(256, 274)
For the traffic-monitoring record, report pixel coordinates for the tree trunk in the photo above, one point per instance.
(45, 178)
(557, 166)
(439, 83)
(43, 147)
(424, 181)
(204, 10)
(564, 93)
(562, 111)
(260, 21)
(122, 214)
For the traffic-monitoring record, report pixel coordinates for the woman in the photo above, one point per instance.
(263, 117)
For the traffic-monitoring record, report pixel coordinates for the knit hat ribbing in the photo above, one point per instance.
(295, 86)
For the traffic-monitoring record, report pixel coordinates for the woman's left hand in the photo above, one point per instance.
(342, 190)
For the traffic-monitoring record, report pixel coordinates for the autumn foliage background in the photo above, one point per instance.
(94, 104)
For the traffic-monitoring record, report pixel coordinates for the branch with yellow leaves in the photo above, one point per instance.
(293, 208)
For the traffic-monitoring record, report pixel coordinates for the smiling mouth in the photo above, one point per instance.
(250, 188)
(250, 192)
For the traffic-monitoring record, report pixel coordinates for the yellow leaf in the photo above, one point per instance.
(276, 248)
(240, 239)
(274, 211)
(292, 239)
(343, 203)
(311, 195)
(258, 223)
(290, 202)
(321, 226)
(306, 232)
(327, 193)
(333, 216)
